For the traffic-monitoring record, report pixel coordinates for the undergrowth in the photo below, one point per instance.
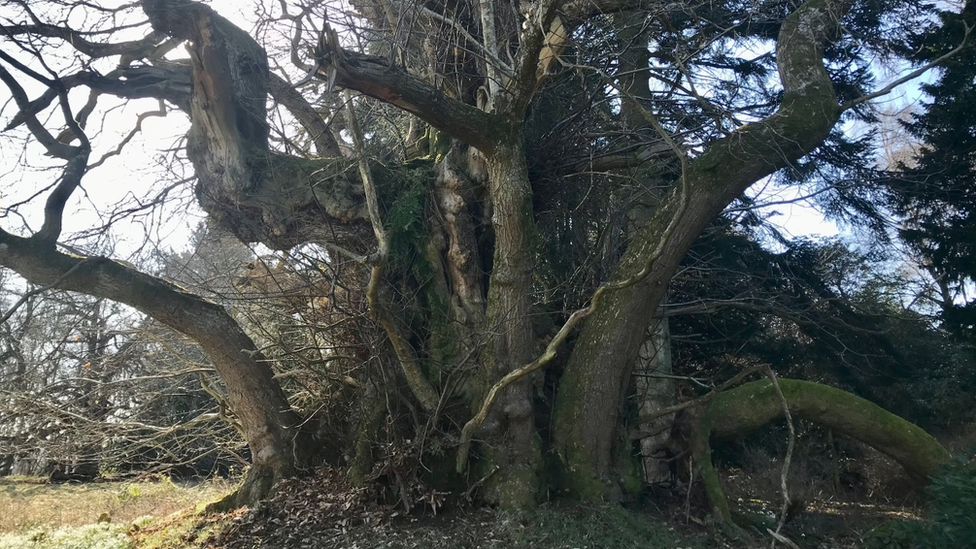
(949, 523)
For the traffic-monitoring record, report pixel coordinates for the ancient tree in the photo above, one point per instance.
(512, 184)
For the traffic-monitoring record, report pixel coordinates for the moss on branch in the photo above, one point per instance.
(737, 412)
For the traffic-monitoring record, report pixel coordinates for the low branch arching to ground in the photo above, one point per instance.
(740, 411)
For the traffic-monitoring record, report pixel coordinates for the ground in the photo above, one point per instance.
(325, 512)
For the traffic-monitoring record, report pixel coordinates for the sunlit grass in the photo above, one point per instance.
(28, 507)
(90, 536)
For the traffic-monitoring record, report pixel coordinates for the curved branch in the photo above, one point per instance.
(256, 398)
(378, 78)
(283, 92)
(135, 48)
(737, 412)
(54, 147)
(601, 361)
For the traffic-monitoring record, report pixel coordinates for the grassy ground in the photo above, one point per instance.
(319, 513)
(326, 512)
(99, 515)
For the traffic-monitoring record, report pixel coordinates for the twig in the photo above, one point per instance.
(782, 539)
(23, 299)
(786, 460)
(489, 55)
(419, 385)
(910, 76)
(482, 480)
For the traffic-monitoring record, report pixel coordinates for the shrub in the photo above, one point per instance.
(950, 522)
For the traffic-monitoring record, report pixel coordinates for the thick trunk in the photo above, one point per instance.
(254, 396)
(737, 412)
(655, 391)
(259, 195)
(592, 389)
(511, 444)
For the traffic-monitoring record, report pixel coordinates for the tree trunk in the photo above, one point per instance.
(655, 391)
(592, 389)
(512, 444)
(736, 413)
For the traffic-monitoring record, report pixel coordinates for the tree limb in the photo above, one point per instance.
(378, 78)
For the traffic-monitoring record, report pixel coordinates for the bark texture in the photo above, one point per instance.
(261, 196)
(512, 443)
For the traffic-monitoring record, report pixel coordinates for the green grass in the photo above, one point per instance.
(596, 527)
(102, 515)
(26, 505)
(90, 536)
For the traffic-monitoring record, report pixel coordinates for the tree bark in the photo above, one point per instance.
(654, 389)
(591, 392)
(259, 195)
(511, 442)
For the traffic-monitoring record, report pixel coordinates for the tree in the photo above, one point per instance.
(932, 192)
(513, 187)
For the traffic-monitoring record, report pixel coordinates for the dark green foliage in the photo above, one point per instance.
(817, 311)
(935, 191)
(405, 219)
(950, 522)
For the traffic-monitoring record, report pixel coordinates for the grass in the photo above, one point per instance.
(25, 505)
(102, 515)
(589, 527)
(90, 536)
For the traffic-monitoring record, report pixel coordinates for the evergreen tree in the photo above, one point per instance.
(935, 192)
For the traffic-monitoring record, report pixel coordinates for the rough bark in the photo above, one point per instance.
(268, 423)
(655, 390)
(737, 412)
(377, 77)
(591, 392)
(259, 195)
(511, 444)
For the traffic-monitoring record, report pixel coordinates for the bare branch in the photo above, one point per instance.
(378, 78)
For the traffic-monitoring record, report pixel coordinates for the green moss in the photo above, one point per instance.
(752, 405)
(439, 143)
(709, 479)
(631, 473)
(737, 412)
(362, 460)
(405, 222)
(511, 485)
(576, 477)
